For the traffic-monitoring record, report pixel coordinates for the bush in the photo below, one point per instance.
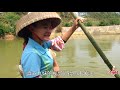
(104, 23)
(8, 29)
(68, 24)
(1, 32)
(114, 21)
(2, 29)
(8, 22)
(88, 23)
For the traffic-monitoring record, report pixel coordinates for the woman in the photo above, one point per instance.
(36, 28)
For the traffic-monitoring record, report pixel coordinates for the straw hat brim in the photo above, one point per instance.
(35, 17)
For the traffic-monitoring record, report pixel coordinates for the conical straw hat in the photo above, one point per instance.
(33, 17)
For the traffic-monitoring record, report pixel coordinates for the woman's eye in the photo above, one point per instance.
(45, 27)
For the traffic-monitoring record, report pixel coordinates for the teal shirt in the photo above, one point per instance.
(37, 60)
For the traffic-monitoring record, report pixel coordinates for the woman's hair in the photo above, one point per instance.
(26, 36)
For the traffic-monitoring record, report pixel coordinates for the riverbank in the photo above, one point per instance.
(8, 37)
(97, 30)
(94, 30)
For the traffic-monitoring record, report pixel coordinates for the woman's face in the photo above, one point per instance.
(43, 29)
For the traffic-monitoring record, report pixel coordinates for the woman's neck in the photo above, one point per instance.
(38, 40)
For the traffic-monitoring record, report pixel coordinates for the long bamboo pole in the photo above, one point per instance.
(96, 46)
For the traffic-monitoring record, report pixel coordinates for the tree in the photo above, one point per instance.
(8, 22)
(67, 19)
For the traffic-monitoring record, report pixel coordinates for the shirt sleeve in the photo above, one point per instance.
(31, 66)
(56, 44)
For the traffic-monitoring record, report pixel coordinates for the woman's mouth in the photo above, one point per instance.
(48, 34)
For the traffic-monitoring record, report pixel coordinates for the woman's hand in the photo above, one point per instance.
(75, 24)
(20, 70)
(56, 68)
(68, 34)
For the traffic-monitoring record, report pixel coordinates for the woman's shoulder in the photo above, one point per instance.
(28, 50)
(29, 55)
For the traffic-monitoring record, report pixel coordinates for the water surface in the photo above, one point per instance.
(79, 59)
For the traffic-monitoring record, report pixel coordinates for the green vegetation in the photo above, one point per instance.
(93, 18)
(102, 18)
(8, 20)
(67, 19)
(88, 23)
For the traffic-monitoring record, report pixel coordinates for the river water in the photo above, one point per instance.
(78, 59)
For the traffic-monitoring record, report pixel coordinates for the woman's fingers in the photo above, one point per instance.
(81, 19)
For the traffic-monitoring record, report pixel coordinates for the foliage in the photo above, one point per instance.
(88, 23)
(104, 23)
(103, 18)
(68, 24)
(8, 22)
(67, 19)
(114, 21)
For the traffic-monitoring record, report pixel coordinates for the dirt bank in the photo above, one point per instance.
(104, 30)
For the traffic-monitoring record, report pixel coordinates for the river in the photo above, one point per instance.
(78, 59)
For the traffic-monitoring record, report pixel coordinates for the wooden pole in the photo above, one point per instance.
(98, 49)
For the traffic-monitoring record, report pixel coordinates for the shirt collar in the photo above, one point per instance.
(37, 46)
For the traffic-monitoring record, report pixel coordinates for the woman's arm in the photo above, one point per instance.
(57, 44)
(55, 64)
(68, 34)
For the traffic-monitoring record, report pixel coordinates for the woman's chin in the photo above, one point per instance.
(46, 39)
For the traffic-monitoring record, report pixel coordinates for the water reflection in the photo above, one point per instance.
(105, 42)
(80, 54)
